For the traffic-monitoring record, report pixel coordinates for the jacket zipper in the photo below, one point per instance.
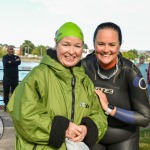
(73, 95)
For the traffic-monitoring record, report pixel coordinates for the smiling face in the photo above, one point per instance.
(107, 47)
(69, 51)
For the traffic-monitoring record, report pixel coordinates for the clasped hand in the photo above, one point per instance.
(75, 132)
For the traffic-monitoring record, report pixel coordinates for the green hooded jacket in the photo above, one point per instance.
(47, 99)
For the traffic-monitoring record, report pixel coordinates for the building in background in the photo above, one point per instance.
(86, 52)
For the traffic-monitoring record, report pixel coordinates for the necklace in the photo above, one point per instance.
(104, 76)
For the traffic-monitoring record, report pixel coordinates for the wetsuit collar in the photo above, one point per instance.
(104, 76)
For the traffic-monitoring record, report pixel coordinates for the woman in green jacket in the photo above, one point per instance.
(56, 100)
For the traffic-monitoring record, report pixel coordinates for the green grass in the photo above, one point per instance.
(145, 139)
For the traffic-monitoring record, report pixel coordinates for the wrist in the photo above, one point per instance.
(110, 110)
(113, 111)
(84, 129)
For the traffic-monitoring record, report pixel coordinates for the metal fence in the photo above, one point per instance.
(1, 89)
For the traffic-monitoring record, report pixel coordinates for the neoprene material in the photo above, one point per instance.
(125, 115)
(69, 29)
(127, 91)
(130, 144)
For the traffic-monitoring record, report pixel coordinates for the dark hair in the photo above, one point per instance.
(142, 57)
(10, 47)
(110, 25)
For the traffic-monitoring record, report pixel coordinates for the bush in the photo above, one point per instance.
(2, 52)
(145, 139)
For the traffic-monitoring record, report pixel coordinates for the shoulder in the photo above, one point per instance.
(130, 69)
(127, 62)
(88, 60)
(17, 56)
(38, 73)
(4, 56)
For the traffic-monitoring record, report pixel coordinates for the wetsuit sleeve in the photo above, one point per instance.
(140, 113)
(125, 115)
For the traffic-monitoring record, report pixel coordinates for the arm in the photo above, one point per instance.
(5, 61)
(148, 74)
(138, 65)
(31, 118)
(15, 61)
(76, 132)
(140, 113)
(138, 97)
(96, 122)
(92, 127)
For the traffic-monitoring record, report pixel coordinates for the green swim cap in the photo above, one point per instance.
(69, 29)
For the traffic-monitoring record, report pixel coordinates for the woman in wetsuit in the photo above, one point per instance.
(126, 104)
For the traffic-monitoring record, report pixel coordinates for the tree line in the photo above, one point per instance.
(27, 47)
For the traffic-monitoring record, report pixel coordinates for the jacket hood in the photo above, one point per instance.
(50, 58)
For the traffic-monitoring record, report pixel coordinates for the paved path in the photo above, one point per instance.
(7, 141)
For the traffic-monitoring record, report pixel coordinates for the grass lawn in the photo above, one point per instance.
(145, 139)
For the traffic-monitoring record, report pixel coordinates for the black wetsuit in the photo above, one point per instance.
(10, 78)
(127, 91)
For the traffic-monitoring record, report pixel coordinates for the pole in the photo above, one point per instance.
(41, 51)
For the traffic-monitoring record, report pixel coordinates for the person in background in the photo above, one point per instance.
(142, 66)
(57, 100)
(116, 77)
(148, 81)
(10, 78)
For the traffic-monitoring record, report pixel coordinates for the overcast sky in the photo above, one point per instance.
(37, 20)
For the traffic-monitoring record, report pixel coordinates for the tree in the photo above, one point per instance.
(131, 54)
(2, 52)
(27, 47)
(40, 50)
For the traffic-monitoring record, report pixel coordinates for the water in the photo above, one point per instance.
(24, 66)
(1, 101)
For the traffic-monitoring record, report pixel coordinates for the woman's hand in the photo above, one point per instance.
(103, 99)
(81, 136)
(75, 132)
